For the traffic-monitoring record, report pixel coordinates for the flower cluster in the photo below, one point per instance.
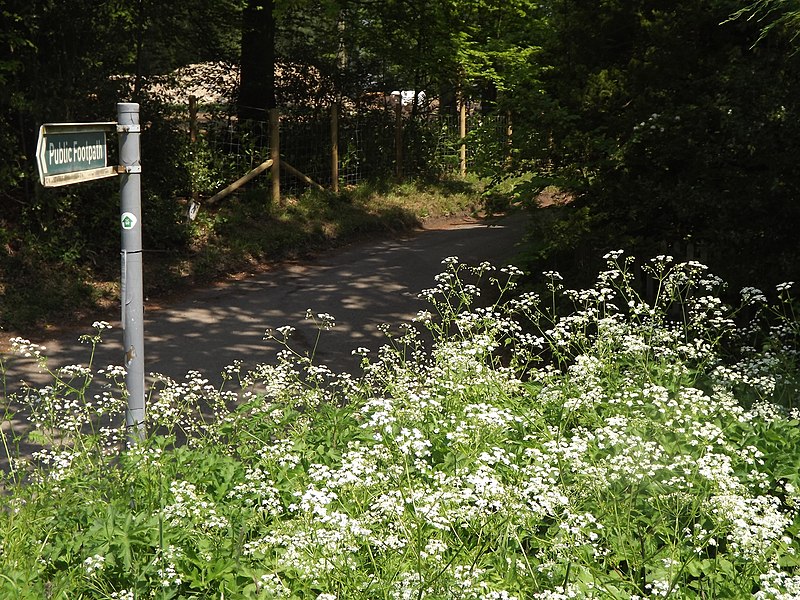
(188, 507)
(629, 446)
(94, 563)
(26, 348)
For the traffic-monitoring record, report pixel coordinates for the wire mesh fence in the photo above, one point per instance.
(429, 145)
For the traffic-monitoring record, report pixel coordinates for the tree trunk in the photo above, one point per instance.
(257, 78)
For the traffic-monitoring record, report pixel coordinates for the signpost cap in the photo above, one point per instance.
(127, 116)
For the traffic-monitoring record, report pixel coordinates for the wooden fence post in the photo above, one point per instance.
(193, 119)
(240, 182)
(301, 176)
(335, 147)
(398, 138)
(194, 203)
(509, 140)
(462, 132)
(275, 154)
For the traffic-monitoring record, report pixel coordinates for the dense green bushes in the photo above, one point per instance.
(667, 125)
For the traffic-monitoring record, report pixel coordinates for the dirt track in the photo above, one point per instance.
(362, 286)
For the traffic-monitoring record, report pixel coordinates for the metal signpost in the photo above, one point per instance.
(131, 293)
(69, 153)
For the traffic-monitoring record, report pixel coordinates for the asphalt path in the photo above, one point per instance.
(362, 286)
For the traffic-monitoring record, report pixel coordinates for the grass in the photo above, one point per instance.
(586, 443)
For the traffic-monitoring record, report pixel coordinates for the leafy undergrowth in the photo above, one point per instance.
(590, 444)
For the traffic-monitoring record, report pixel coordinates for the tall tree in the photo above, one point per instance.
(16, 47)
(673, 127)
(257, 75)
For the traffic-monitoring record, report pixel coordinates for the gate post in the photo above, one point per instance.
(275, 154)
(335, 147)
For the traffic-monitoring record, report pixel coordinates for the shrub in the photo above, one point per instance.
(496, 448)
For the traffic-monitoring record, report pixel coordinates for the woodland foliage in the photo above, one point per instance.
(665, 122)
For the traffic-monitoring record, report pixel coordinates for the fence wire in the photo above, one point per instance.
(366, 145)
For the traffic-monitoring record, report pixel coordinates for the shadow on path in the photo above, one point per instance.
(362, 286)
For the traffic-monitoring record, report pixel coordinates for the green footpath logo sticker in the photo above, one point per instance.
(128, 220)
